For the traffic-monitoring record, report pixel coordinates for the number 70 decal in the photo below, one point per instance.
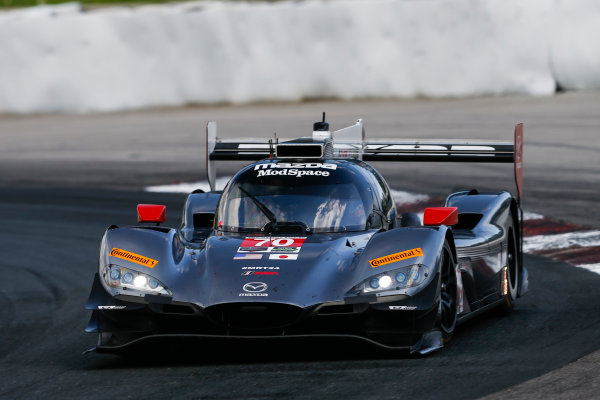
(273, 242)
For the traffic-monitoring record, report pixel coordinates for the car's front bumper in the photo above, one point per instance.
(394, 322)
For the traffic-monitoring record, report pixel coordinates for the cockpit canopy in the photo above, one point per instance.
(324, 196)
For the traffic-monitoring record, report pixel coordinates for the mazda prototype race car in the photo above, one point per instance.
(305, 242)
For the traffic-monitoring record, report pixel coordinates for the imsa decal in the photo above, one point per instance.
(136, 258)
(390, 258)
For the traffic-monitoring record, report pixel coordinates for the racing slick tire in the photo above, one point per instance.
(447, 314)
(512, 272)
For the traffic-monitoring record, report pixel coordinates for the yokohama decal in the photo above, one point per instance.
(390, 258)
(136, 258)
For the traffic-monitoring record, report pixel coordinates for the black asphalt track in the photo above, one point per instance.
(49, 242)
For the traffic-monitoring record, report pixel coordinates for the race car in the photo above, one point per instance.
(305, 243)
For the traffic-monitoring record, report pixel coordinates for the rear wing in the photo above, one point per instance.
(350, 142)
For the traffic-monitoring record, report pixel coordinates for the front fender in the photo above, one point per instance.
(153, 251)
(403, 246)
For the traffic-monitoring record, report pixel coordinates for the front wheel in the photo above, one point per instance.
(447, 315)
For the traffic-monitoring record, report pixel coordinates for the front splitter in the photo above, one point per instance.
(430, 341)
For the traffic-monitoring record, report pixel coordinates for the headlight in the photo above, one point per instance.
(397, 279)
(128, 279)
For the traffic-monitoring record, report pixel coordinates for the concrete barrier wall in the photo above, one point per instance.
(63, 59)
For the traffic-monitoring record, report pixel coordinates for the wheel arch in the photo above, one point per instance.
(517, 217)
(450, 240)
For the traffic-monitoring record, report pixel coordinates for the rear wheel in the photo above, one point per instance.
(511, 284)
(448, 295)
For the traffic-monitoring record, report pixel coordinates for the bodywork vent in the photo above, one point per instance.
(304, 149)
(204, 220)
(254, 316)
(468, 220)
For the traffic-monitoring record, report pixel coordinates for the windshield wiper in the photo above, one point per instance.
(265, 210)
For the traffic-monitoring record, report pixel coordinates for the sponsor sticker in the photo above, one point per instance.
(390, 258)
(248, 273)
(136, 258)
(295, 169)
(260, 268)
(283, 256)
(274, 241)
(248, 256)
(254, 294)
(111, 307)
(254, 289)
(285, 165)
(286, 249)
(298, 173)
(406, 308)
(269, 249)
(254, 249)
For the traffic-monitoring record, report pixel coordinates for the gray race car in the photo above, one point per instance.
(305, 243)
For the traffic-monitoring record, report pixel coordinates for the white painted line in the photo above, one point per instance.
(528, 215)
(561, 241)
(188, 187)
(407, 197)
(592, 267)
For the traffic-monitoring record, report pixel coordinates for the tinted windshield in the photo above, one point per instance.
(323, 197)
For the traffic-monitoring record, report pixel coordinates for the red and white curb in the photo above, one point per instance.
(559, 240)
(556, 239)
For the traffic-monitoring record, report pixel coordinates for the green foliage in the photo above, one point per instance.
(90, 3)
(29, 3)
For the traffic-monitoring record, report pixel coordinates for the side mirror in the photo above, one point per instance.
(435, 216)
(152, 213)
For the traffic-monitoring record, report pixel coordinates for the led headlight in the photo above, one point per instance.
(128, 279)
(397, 279)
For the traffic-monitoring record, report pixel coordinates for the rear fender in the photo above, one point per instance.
(486, 206)
(484, 222)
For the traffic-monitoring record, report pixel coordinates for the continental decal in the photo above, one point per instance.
(390, 258)
(136, 258)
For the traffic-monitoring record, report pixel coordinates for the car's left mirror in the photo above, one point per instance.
(152, 213)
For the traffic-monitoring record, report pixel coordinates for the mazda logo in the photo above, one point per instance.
(255, 287)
